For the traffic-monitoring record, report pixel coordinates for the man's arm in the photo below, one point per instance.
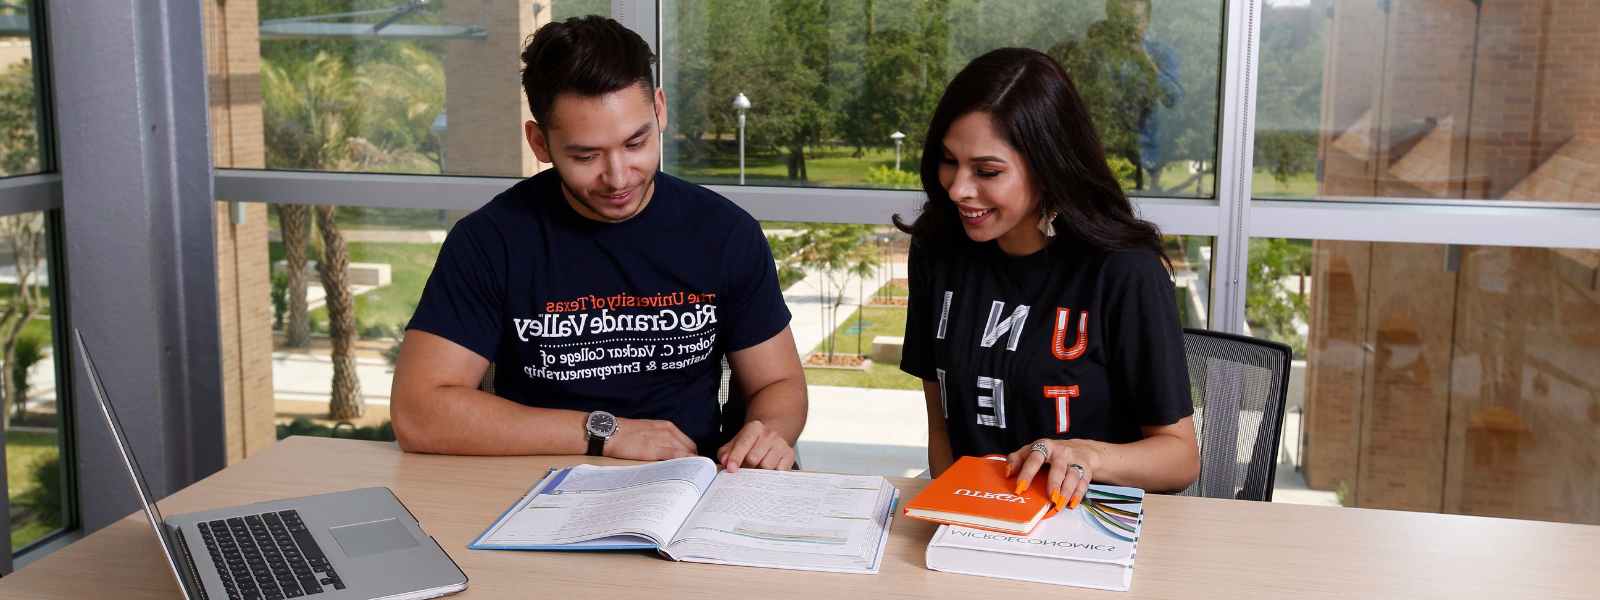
(436, 407)
(771, 378)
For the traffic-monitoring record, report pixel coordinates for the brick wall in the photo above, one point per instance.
(243, 285)
(483, 89)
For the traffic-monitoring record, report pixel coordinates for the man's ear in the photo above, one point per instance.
(661, 111)
(537, 141)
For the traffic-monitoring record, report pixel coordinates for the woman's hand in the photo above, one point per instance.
(1065, 484)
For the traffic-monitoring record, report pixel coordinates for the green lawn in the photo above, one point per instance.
(1300, 185)
(834, 167)
(23, 449)
(391, 305)
(361, 217)
(879, 321)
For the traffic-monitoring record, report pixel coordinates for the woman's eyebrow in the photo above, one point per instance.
(992, 159)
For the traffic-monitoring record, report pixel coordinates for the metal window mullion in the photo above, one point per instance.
(29, 193)
(1235, 148)
(1517, 226)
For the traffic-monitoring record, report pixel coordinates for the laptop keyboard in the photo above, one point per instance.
(270, 556)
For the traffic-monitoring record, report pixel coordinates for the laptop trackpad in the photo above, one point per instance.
(362, 539)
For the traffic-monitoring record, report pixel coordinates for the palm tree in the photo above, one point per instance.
(334, 267)
(311, 114)
(294, 220)
(404, 99)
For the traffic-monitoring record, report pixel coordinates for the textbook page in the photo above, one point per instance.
(787, 519)
(588, 507)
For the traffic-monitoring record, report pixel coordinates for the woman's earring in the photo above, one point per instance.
(1047, 224)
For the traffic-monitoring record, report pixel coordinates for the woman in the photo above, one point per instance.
(1042, 318)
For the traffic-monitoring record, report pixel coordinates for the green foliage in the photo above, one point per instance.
(311, 114)
(890, 177)
(342, 429)
(838, 251)
(1284, 154)
(1289, 95)
(1273, 310)
(45, 494)
(19, 139)
(821, 72)
(28, 352)
(280, 299)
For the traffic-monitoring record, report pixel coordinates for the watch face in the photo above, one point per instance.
(602, 424)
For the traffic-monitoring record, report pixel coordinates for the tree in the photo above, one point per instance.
(24, 233)
(311, 112)
(334, 267)
(19, 146)
(294, 221)
(836, 252)
(1272, 310)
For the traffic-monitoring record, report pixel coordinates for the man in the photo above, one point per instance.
(604, 292)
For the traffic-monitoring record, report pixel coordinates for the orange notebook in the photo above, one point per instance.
(975, 492)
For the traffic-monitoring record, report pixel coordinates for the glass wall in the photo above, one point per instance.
(319, 382)
(339, 95)
(1430, 100)
(1438, 378)
(830, 83)
(34, 482)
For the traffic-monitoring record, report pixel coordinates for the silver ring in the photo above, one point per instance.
(1041, 448)
(1077, 467)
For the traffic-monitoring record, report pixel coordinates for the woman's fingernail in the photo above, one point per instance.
(1055, 496)
(1061, 501)
(1075, 502)
(1021, 485)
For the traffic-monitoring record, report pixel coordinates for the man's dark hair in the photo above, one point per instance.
(589, 56)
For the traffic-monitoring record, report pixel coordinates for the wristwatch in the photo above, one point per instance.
(599, 428)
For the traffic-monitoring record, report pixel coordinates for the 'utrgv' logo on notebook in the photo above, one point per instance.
(991, 496)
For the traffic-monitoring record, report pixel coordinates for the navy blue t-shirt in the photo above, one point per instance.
(632, 318)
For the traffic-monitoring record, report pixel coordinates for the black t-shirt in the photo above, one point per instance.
(1067, 343)
(631, 318)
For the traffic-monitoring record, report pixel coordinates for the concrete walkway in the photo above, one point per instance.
(806, 307)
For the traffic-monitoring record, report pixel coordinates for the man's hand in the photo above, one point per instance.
(648, 439)
(756, 446)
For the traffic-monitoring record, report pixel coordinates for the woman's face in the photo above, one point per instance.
(990, 184)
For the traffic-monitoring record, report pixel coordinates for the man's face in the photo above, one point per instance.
(606, 150)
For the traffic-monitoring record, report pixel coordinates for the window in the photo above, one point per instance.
(33, 419)
(340, 94)
(1428, 101)
(1437, 378)
(830, 83)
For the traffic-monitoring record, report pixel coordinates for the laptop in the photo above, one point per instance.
(356, 545)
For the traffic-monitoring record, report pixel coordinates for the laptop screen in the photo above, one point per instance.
(145, 497)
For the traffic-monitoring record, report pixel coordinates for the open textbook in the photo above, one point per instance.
(689, 511)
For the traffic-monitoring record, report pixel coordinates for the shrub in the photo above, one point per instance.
(45, 496)
(280, 299)
(343, 429)
(895, 178)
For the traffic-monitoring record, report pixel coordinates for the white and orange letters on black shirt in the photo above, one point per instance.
(1066, 343)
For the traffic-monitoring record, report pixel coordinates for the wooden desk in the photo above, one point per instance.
(1191, 547)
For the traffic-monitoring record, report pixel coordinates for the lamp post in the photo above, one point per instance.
(898, 138)
(741, 103)
(438, 129)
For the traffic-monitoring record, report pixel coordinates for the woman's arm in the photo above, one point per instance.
(939, 455)
(1166, 460)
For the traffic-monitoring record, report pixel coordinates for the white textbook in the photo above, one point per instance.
(688, 511)
(1089, 546)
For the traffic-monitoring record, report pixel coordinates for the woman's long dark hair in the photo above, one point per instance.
(1036, 109)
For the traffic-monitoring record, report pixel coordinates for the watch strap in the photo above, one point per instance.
(597, 444)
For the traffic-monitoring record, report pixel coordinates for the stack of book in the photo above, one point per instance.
(989, 531)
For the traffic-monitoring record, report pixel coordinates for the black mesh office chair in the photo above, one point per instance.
(1239, 385)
